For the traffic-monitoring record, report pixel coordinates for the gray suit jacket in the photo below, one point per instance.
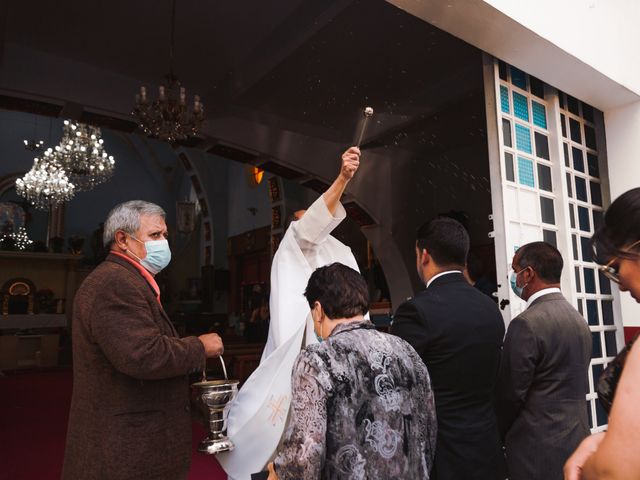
(540, 398)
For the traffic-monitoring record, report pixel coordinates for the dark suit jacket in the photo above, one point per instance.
(541, 391)
(458, 332)
(129, 415)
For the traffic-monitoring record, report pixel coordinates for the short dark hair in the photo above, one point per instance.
(446, 240)
(621, 228)
(544, 258)
(341, 291)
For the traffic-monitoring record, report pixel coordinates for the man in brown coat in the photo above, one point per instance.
(129, 415)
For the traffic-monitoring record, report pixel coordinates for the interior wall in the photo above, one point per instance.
(243, 198)
(213, 172)
(142, 173)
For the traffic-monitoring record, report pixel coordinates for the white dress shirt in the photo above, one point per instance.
(540, 293)
(441, 274)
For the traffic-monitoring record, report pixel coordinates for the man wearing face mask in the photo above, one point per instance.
(129, 416)
(542, 384)
(457, 330)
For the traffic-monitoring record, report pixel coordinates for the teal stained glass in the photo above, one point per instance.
(518, 78)
(520, 106)
(539, 114)
(504, 99)
(523, 138)
(525, 172)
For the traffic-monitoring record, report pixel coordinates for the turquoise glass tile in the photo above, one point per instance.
(518, 78)
(525, 172)
(520, 106)
(539, 114)
(504, 99)
(523, 138)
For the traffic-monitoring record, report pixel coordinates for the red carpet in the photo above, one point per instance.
(34, 408)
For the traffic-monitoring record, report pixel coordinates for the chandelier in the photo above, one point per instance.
(81, 154)
(168, 118)
(20, 238)
(35, 146)
(46, 184)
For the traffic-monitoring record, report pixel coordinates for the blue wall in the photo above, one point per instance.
(145, 169)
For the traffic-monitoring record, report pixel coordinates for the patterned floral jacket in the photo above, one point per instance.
(362, 408)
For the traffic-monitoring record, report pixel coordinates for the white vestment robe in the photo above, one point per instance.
(258, 415)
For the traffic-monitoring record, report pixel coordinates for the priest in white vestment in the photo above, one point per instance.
(258, 415)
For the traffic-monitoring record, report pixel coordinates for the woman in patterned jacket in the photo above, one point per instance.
(362, 405)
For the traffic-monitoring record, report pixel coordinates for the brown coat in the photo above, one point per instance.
(129, 415)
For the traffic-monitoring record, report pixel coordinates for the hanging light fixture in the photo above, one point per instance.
(168, 118)
(81, 154)
(20, 238)
(34, 145)
(46, 185)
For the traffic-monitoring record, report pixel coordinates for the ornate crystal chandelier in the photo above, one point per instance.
(81, 154)
(168, 118)
(46, 184)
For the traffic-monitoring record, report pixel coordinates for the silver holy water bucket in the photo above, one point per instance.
(211, 397)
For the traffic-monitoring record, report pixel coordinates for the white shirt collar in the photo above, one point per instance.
(540, 293)
(441, 274)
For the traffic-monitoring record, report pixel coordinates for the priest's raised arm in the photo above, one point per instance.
(257, 417)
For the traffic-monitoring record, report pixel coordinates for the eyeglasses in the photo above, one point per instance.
(609, 270)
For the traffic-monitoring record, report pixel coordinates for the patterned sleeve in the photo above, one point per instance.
(302, 452)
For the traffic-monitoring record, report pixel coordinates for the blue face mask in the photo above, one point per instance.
(158, 255)
(514, 283)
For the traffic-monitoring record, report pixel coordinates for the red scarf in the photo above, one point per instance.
(145, 273)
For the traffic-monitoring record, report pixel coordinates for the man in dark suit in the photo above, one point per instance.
(129, 416)
(458, 332)
(541, 407)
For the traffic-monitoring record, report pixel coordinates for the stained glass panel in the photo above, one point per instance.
(539, 115)
(504, 99)
(525, 172)
(520, 106)
(523, 138)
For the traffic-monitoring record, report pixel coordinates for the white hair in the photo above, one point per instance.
(126, 217)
